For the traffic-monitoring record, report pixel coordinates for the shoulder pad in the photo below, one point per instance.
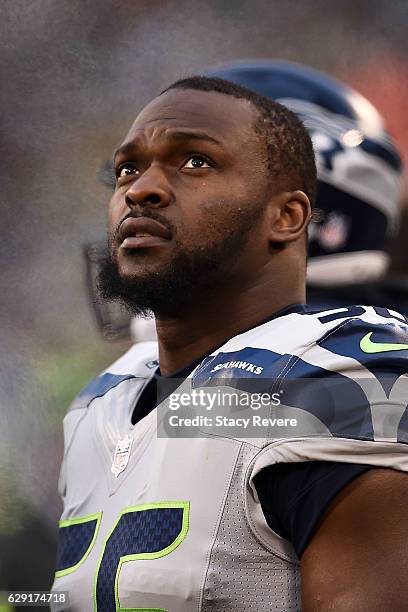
(374, 342)
(140, 361)
(340, 372)
(355, 378)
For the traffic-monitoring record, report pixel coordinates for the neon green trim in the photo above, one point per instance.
(185, 505)
(78, 521)
(82, 519)
(155, 555)
(368, 346)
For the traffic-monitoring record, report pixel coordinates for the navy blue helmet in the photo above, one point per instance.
(359, 168)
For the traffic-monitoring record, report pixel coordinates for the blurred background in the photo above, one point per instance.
(74, 75)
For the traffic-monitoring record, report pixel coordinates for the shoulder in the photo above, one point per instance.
(375, 337)
(348, 390)
(323, 339)
(138, 362)
(342, 376)
(353, 376)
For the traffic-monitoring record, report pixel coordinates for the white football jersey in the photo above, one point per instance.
(170, 522)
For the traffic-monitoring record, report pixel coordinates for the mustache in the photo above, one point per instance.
(148, 214)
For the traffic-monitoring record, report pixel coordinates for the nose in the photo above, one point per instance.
(150, 190)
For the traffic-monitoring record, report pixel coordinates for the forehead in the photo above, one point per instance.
(220, 116)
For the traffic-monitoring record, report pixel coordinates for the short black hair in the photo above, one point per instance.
(289, 147)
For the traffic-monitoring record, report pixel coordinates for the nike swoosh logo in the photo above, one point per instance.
(368, 346)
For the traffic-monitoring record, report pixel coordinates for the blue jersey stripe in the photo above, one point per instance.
(101, 385)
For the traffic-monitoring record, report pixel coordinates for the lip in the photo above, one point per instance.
(142, 242)
(142, 231)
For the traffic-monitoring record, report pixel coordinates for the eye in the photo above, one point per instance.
(126, 170)
(197, 161)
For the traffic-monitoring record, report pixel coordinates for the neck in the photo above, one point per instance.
(217, 318)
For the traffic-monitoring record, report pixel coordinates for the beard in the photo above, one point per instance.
(189, 278)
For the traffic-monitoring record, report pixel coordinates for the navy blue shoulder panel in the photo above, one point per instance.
(101, 385)
(381, 348)
(334, 399)
(249, 363)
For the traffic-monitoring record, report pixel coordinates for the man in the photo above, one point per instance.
(207, 230)
(357, 200)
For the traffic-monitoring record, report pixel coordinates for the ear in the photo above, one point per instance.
(290, 214)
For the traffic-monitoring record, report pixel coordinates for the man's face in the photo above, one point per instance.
(186, 215)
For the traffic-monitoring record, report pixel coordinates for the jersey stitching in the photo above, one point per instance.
(217, 526)
(332, 439)
(308, 347)
(292, 366)
(312, 345)
(332, 331)
(294, 359)
(281, 554)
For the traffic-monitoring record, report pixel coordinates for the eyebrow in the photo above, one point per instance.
(180, 135)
